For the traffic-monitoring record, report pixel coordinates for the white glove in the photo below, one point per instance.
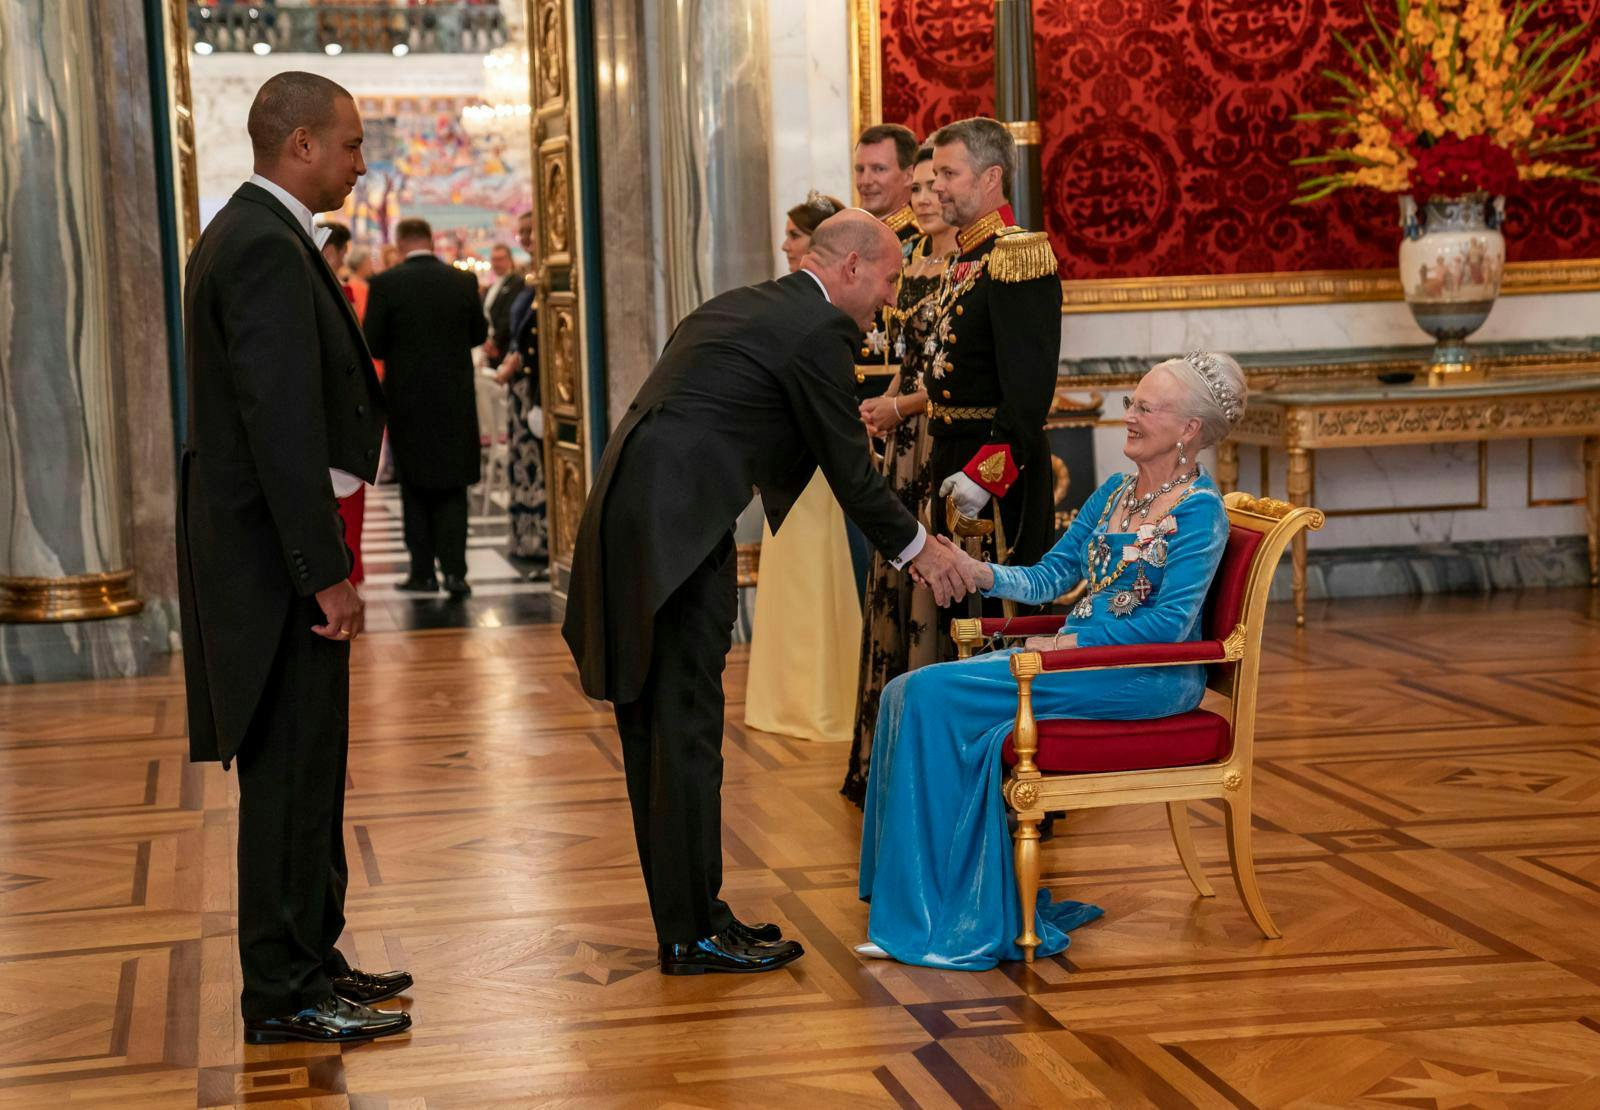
(969, 496)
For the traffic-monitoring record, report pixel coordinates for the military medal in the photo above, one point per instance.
(1142, 587)
(877, 342)
(1124, 602)
(1085, 607)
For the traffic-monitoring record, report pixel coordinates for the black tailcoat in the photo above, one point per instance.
(423, 319)
(280, 388)
(754, 389)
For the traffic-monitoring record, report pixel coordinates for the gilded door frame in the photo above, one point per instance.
(1202, 290)
(565, 342)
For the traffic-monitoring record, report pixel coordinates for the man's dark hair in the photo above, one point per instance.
(500, 247)
(287, 101)
(413, 227)
(338, 234)
(905, 141)
(528, 215)
(988, 142)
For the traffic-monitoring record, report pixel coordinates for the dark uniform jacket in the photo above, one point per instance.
(423, 319)
(281, 388)
(498, 300)
(876, 369)
(753, 390)
(991, 391)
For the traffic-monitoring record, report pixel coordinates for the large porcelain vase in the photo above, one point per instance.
(1451, 262)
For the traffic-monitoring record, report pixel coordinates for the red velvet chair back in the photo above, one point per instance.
(1225, 601)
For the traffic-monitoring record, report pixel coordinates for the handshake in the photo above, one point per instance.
(948, 571)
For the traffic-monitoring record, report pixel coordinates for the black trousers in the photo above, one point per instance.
(292, 870)
(672, 753)
(435, 525)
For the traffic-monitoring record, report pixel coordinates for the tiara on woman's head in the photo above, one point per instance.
(1205, 364)
(821, 203)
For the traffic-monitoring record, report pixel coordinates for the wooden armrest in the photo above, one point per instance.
(1117, 656)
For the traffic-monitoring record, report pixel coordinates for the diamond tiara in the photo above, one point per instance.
(820, 203)
(1205, 364)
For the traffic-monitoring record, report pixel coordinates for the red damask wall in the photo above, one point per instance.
(1168, 131)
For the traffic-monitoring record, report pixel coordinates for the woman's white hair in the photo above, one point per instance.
(1215, 391)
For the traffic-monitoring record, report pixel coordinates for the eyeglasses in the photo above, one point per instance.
(1143, 409)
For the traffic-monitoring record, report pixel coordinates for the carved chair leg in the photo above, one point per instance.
(1244, 868)
(1178, 818)
(1026, 843)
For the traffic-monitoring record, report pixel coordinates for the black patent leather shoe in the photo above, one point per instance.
(722, 953)
(417, 585)
(331, 1021)
(456, 586)
(759, 933)
(365, 988)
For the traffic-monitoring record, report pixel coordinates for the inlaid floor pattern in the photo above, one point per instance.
(1428, 832)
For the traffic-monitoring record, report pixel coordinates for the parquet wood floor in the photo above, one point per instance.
(1428, 834)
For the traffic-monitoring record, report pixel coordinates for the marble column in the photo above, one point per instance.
(715, 128)
(79, 267)
(630, 237)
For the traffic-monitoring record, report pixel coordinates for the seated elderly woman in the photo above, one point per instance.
(937, 863)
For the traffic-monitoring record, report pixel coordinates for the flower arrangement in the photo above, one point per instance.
(1460, 97)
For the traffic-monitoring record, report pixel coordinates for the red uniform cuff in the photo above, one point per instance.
(993, 469)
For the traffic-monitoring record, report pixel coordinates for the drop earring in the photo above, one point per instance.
(1183, 459)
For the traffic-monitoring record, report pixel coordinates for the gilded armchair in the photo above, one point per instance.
(1078, 764)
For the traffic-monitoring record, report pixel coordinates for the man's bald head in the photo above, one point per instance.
(306, 134)
(854, 229)
(287, 101)
(857, 259)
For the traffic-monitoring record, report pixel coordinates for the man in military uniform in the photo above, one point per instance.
(993, 377)
(884, 157)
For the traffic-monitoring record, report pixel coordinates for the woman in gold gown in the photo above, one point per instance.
(802, 680)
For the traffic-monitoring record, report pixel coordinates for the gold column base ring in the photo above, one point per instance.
(75, 597)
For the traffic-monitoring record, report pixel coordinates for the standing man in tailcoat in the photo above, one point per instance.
(285, 418)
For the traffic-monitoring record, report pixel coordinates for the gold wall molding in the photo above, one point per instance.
(1146, 294)
(77, 597)
(1025, 132)
(1265, 377)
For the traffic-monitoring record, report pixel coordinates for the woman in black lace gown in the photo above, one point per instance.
(898, 618)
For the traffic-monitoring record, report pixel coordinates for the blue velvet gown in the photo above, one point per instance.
(936, 855)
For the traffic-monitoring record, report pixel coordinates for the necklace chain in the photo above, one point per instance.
(1142, 505)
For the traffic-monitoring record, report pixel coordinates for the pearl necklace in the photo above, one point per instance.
(1141, 505)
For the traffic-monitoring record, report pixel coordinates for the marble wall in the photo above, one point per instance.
(810, 74)
(86, 439)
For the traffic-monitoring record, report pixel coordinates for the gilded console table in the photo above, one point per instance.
(1362, 412)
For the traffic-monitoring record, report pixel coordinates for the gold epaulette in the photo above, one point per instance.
(1020, 255)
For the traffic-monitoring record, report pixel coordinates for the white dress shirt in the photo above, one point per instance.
(344, 483)
(914, 548)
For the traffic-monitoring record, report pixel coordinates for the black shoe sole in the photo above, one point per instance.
(403, 588)
(253, 1036)
(713, 969)
(376, 997)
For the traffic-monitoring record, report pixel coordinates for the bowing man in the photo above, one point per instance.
(755, 389)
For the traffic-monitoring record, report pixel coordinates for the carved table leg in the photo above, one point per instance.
(1299, 491)
(1227, 466)
(1591, 503)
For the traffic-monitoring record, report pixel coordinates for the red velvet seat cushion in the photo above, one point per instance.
(1084, 747)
